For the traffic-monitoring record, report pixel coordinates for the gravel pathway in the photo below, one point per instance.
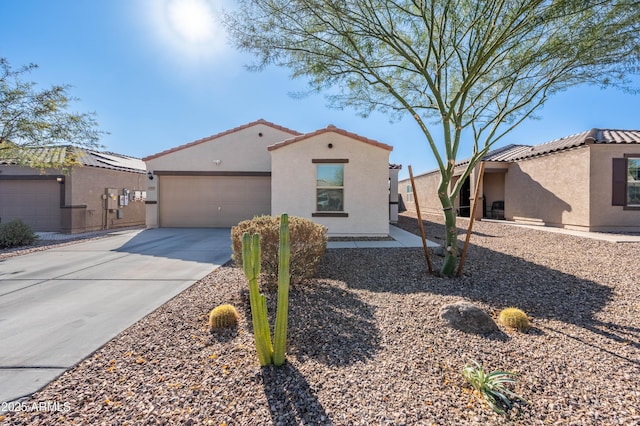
(366, 345)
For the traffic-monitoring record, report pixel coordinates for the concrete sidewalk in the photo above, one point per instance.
(60, 305)
(401, 238)
(602, 236)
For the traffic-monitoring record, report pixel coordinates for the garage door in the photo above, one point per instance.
(35, 202)
(212, 201)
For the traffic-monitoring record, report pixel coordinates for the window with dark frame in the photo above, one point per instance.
(626, 181)
(330, 187)
(633, 182)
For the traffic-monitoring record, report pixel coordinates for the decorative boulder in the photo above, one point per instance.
(468, 317)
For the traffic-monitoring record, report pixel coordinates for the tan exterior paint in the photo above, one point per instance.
(236, 151)
(551, 189)
(242, 150)
(427, 191)
(212, 201)
(571, 188)
(75, 204)
(604, 216)
(366, 182)
(84, 207)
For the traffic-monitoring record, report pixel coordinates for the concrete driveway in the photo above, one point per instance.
(58, 306)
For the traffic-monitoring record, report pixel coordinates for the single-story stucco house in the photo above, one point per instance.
(589, 181)
(102, 191)
(335, 178)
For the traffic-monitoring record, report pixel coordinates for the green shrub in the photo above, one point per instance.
(16, 233)
(514, 318)
(308, 242)
(223, 316)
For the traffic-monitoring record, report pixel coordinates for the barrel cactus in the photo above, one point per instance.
(223, 316)
(514, 318)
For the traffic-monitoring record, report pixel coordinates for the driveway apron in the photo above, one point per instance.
(60, 305)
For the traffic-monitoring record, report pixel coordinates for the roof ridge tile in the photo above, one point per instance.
(329, 129)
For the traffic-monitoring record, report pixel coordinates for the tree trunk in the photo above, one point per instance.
(451, 232)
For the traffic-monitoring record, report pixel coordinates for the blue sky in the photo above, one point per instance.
(157, 78)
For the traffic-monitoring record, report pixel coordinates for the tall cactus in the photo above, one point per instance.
(282, 314)
(251, 266)
(268, 354)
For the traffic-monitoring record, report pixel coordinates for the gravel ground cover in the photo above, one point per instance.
(367, 347)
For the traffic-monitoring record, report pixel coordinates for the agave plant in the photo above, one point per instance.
(492, 387)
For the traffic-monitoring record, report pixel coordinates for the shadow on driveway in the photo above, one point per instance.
(182, 243)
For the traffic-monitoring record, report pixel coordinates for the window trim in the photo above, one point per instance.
(329, 213)
(620, 181)
(329, 160)
(627, 157)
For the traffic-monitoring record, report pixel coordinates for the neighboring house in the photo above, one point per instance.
(103, 191)
(589, 181)
(333, 177)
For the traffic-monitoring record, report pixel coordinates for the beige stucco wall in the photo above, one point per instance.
(570, 189)
(604, 216)
(85, 187)
(366, 183)
(244, 150)
(82, 206)
(426, 190)
(551, 189)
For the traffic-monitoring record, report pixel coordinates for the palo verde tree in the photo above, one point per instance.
(467, 71)
(32, 118)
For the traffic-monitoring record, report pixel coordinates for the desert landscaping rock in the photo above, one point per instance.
(366, 345)
(467, 317)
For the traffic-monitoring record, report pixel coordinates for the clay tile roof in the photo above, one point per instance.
(561, 144)
(593, 136)
(218, 135)
(504, 153)
(329, 129)
(618, 136)
(515, 152)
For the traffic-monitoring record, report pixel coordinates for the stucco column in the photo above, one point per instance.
(393, 192)
(475, 175)
(151, 203)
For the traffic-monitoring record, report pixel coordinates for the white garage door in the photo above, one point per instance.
(212, 201)
(35, 202)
